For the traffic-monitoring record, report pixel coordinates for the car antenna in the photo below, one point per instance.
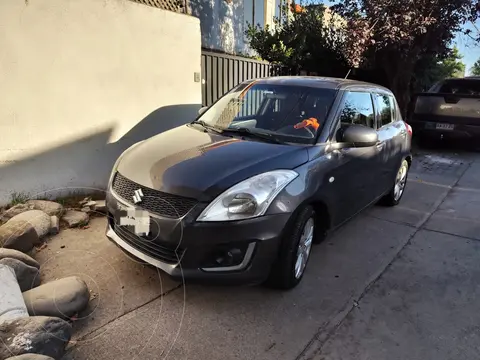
(346, 76)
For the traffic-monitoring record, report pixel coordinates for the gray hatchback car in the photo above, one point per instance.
(240, 194)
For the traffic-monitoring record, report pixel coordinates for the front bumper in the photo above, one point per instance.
(184, 248)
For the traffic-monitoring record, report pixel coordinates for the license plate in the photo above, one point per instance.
(445, 127)
(136, 219)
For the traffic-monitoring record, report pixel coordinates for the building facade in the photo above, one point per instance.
(224, 22)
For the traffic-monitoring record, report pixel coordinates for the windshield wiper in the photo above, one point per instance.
(207, 126)
(258, 135)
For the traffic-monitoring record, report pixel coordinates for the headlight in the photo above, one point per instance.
(249, 198)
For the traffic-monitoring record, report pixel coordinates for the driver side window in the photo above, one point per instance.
(357, 109)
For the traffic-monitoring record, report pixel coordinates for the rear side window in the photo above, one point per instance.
(393, 104)
(357, 109)
(385, 108)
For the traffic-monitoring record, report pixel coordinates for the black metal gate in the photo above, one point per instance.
(221, 72)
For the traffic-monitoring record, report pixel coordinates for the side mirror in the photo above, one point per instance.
(202, 110)
(357, 136)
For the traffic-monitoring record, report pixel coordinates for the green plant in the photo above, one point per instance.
(18, 198)
(475, 70)
(304, 39)
(435, 67)
(82, 224)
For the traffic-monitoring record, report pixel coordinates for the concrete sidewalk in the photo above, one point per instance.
(394, 282)
(425, 305)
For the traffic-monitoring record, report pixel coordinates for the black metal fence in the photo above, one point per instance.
(221, 72)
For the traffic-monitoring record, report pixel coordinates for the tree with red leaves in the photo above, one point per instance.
(393, 35)
(389, 38)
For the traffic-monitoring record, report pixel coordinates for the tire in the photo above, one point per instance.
(395, 194)
(284, 274)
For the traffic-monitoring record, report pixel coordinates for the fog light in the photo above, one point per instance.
(225, 257)
(230, 258)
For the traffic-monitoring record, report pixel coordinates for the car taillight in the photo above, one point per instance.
(409, 129)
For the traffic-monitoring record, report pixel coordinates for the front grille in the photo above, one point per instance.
(157, 202)
(166, 253)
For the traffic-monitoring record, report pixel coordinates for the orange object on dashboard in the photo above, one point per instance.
(308, 122)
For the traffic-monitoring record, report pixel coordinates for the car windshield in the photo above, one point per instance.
(288, 113)
(461, 87)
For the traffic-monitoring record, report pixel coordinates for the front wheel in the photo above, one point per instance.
(395, 195)
(288, 269)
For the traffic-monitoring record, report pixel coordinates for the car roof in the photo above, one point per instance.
(319, 82)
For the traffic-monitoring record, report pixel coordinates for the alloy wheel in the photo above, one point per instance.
(400, 181)
(304, 247)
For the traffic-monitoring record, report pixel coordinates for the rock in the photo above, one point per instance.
(54, 225)
(31, 357)
(101, 206)
(28, 277)
(61, 298)
(15, 210)
(75, 218)
(86, 209)
(91, 204)
(37, 335)
(84, 201)
(49, 207)
(18, 235)
(14, 254)
(39, 220)
(12, 305)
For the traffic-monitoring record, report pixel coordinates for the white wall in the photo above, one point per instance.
(81, 80)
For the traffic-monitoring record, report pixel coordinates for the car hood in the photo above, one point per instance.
(189, 162)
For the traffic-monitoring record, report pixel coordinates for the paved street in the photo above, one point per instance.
(396, 283)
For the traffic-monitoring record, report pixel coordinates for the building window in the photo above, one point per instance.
(254, 12)
(282, 10)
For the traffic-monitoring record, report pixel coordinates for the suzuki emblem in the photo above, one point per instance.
(137, 196)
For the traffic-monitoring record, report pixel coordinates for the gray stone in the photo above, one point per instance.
(31, 357)
(12, 305)
(39, 220)
(14, 211)
(49, 207)
(36, 335)
(86, 209)
(75, 218)
(28, 277)
(14, 254)
(18, 235)
(60, 298)
(54, 225)
(101, 207)
(84, 201)
(91, 204)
